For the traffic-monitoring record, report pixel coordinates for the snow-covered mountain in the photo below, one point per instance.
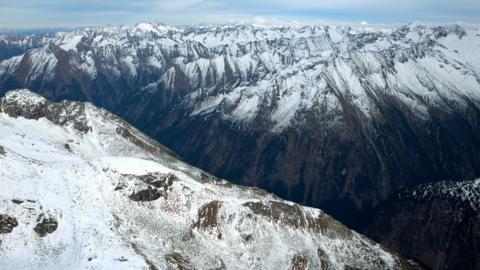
(82, 189)
(14, 45)
(339, 128)
(336, 118)
(181, 58)
(437, 223)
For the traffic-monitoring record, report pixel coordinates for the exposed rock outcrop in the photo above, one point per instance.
(45, 225)
(336, 118)
(7, 223)
(79, 201)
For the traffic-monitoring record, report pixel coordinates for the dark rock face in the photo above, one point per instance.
(334, 157)
(17, 201)
(178, 261)
(437, 223)
(58, 113)
(208, 219)
(460, 32)
(7, 223)
(342, 160)
(149, 194)
(440, 32)
(158, 186)
(45, 225)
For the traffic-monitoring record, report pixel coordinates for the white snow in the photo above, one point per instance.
(98, 224)
(71, 43)
(296, 61)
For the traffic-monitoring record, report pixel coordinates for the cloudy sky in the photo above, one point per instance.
(73, 13)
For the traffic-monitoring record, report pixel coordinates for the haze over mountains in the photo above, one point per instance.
(330, 117)
(34, 31)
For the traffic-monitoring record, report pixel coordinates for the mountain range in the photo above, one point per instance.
(335, 118)
(82, 189)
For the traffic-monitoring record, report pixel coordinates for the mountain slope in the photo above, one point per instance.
(436, 223)
(336, 118)
(15, 45)
(82, 189)
(340, 135)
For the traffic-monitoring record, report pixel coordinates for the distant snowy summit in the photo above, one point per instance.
(215, 34)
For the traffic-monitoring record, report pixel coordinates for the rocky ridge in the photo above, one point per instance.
(336, 118)
(82, 189)
(342, 134)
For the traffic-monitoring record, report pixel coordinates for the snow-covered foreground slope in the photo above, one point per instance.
(81, 189)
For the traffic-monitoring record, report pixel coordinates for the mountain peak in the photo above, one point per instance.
(459, 31)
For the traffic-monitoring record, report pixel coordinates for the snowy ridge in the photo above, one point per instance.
(445, 69)
(206, 55)
(245, 61)
(268, 81)
(296, 84)
(81, 189)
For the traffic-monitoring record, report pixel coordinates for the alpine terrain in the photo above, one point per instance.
(330, 117)
(82, 189)
(437, 223)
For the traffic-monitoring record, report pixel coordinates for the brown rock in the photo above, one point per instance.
(7, 223)
(17, 201)
(299, 263)
(208, 219)
(149, 194)
(160, 184)
(45, 225)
